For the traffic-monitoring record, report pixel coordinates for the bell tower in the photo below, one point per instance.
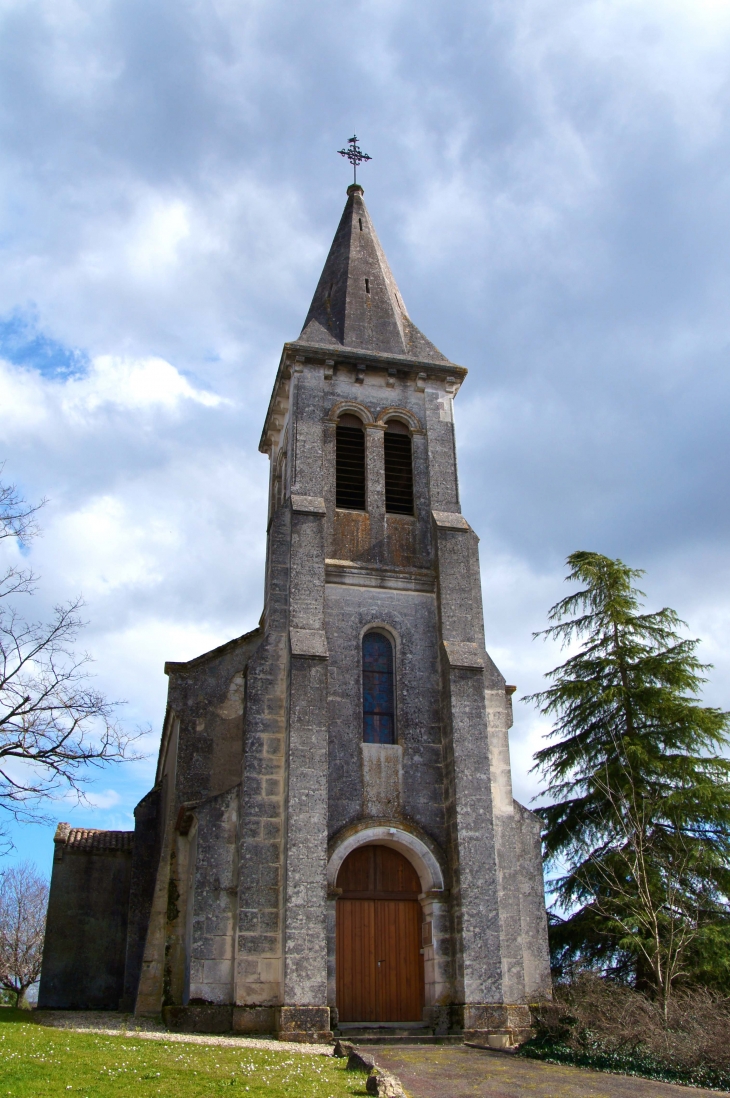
(331, 840)
(391, 717)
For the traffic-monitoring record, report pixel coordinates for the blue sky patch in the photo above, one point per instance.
(23, 343)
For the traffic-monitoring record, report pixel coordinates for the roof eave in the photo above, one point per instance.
(173, 667)
(351, 354)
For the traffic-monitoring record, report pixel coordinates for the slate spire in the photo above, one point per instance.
(357, 304)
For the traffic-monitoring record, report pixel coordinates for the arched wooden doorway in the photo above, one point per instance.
(379, 961)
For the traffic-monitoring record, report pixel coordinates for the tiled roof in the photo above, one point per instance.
(88, 840)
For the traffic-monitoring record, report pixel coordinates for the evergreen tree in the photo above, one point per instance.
(638, 830)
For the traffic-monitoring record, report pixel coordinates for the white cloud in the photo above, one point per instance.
(30, 402)
(107, 546)
(550, 184)
(131, 383)
(102, 799)
(156, 246)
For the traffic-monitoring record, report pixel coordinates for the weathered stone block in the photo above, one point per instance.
(269, 921)
(256, 943)
(254, 1019)
(496, 1025)
(217, 972)
(202, 1018)
(217, 947)
(303, 1023)
(382, 779)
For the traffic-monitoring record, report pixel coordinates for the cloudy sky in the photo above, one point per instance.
(551, 183)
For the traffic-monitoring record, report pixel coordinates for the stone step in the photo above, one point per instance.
(384, 1027)
(368, 1029)
(398, 1037)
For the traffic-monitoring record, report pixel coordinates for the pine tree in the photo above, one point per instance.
(638, 830)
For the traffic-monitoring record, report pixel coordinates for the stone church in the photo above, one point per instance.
(331, 839)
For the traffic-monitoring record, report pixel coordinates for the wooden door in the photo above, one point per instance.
(379, 962)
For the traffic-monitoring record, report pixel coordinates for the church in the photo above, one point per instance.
(331, 843)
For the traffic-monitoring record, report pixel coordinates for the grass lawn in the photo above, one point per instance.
(40, 1062)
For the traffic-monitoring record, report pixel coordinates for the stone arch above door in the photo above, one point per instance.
(425, 858)
(421, 857)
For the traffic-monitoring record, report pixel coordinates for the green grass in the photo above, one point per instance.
(40, 1062)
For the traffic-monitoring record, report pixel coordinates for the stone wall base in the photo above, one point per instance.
(303, 1023)
(439, 1018)
(495, 1025)
(254, 1019)
(205, 1018)
(288, 1023)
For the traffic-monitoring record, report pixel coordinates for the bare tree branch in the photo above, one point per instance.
(23, 904)
(54, 726)
(17, 517)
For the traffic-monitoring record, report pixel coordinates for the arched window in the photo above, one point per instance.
(378, 694)
(398, 469)
(350, 462)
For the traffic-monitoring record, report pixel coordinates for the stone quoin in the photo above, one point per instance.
(332, 829)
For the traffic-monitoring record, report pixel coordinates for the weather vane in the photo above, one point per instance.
(354, 154)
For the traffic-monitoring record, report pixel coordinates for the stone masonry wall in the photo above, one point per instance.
(305, 938)
(285, 714)
(259, 961)
(86, 930)
(200, 757)
(410, 617)
(212, 907)
(528, 855)
(145, 864)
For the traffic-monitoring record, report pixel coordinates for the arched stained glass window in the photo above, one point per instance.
(378, 694)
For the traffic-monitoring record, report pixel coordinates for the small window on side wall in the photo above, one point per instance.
(398, 469)
(350, 464)
(378, 693)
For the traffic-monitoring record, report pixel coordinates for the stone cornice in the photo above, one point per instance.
(296, 356)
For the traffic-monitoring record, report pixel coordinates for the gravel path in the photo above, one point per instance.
(460, 1072)
(149, 1029)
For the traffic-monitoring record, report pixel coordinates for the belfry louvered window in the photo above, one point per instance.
(350, 473)
(398, 469)
(378, 694)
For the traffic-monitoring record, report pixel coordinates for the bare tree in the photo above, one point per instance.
(54, 725)
(23, 904)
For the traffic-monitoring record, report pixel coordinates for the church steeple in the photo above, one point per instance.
(357, 738)
(357, 304)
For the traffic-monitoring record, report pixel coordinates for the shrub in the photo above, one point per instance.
(599, 1023)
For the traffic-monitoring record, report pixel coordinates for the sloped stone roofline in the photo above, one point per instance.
(88, 840)
(172, 667)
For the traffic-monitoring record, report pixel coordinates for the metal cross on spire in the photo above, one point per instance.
(354, 154)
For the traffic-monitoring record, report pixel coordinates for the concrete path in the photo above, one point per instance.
(458, 1072)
